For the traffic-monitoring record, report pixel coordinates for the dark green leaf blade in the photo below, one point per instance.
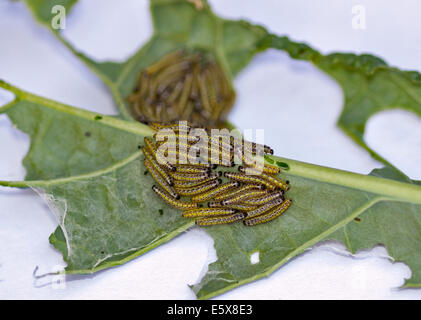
(110, 218)
(42, 9)
(358, 211)
(89, 169)
(111, 210)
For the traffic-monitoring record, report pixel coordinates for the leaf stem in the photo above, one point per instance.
(46, 183)
(129, 126)
(384, 187)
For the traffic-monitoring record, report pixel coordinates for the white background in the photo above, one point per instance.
(295, 103)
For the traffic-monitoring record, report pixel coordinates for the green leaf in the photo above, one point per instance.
(178, 24)
(359, 211)
(89, 169)
(369, 85)
(43, 9)
(108, 214)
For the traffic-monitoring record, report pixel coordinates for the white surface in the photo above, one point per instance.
(273, 87)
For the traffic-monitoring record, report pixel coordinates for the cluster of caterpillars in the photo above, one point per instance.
(251, 194)
(183, 86)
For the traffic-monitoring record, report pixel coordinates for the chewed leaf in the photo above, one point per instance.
(178, 24)
(108, 214)
(365, 217)
(111, 217)
(89, 169)
(368, 83)
(99, 187)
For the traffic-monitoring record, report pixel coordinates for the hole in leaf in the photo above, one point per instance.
(254, 257)
(401, 145)
(5, 97)
(161, 212)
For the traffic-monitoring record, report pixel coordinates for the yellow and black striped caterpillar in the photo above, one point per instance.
(211, 193)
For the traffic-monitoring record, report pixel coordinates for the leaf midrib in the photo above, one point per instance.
(384, 187)
(390, 189)
(128, 126)
(51, 182)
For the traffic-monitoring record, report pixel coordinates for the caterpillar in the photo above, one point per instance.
(188, 176)
(249, 179)
(190, 184)
(162, 183)
(205, 212)
(250, 194)
(149, 157)
(224, 162)
(199, 189)
(269, 216)
(267, 168)
(193, 169)
(167, 60)
(220, 220)
(265, 199)
(210, 194)
(189, 138)
(264, 208)
(273, 180)
(238, 191)
(254, 195)
(183, 126)
(242, 207)
(173, 202)
(151, 147)
(182, 85)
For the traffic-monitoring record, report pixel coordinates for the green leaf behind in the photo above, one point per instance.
(178, 24)
(369, 85)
